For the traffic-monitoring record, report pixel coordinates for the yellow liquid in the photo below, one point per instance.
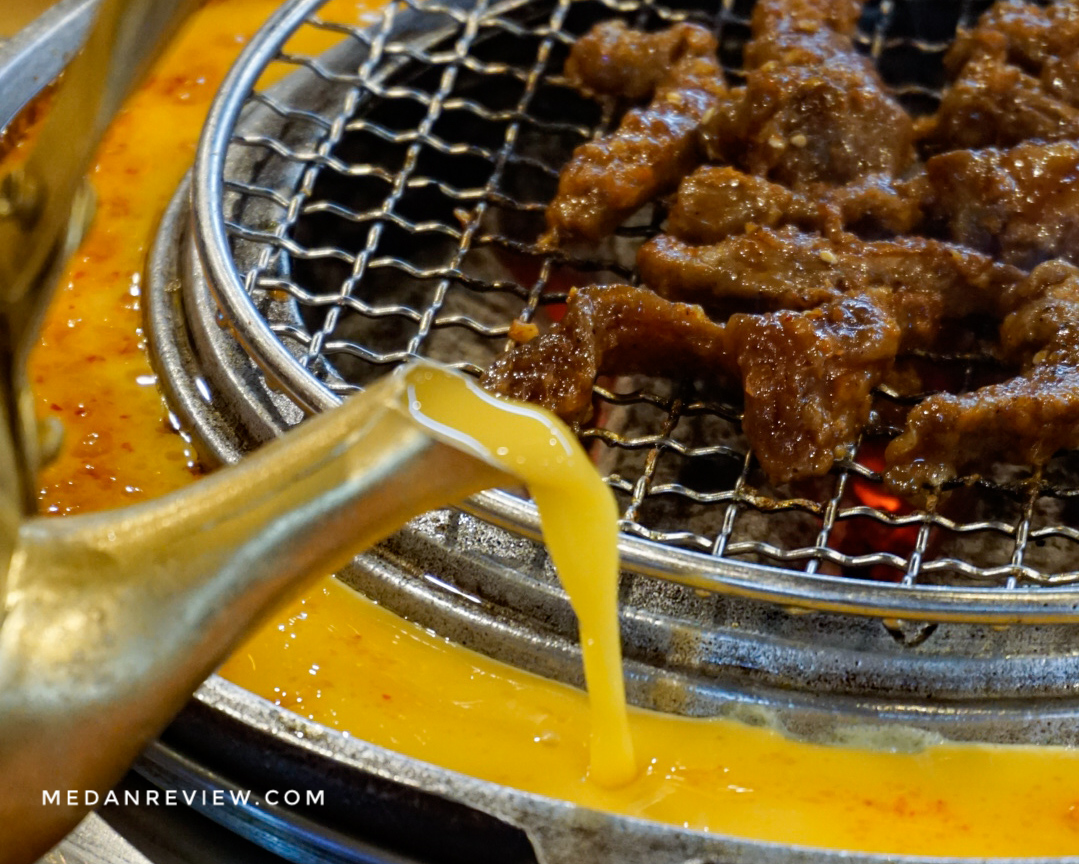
(336, 658)
(580, 527)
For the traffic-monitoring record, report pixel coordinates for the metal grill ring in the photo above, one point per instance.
(384, 202)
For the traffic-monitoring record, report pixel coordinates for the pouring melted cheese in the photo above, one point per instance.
(336, 658)
(580, 527)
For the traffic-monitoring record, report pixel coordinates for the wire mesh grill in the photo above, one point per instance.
(395, 214)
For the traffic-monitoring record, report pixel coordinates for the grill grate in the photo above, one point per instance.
(375, 215)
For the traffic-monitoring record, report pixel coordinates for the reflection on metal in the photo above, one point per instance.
(94, 842)
(35, 55)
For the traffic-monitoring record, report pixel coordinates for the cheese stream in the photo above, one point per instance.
(580, 527)
(337, 658)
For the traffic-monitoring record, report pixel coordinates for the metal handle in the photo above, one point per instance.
(114, 619)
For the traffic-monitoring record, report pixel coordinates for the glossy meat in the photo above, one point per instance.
(613, 329)
(610, 178)
(715, 202)
(1060, 77)
(807, 376)
(813, 147)
(804, 16)
(1024, 420)
(808, 379)
(875, 204)
(614, 60)
(1024, 34)
(1016, 79)
(813, 110)
(994, 104)
(792, 270)
(1021, 204)
(770, 269)
(814, 45)
(800, 125)
(803, 33)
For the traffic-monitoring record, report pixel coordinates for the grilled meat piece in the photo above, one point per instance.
(1060, 77)
(800, 33)
(1021, 204)
(875, 204)
(1024, 420)
(804, 16)
(807, 376)
(715, 202)
(1024, 34)
(792, 270)
(814, 142)
(771, 269)
(994, 104)
(800, 125)
(612, 59)
(803, 33)
(1017, 79)
(813, 110)
(610, 329)
(814, 45)
(808, 379)
(610, 178)
(1041, 307)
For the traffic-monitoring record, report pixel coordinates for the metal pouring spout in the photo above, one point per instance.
(111, 621)
(114, 619)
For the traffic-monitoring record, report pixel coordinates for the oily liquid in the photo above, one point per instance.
(580, 527)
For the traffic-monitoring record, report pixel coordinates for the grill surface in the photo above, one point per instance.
(372, 211)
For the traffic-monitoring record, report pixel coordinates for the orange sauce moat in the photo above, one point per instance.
(336, 658)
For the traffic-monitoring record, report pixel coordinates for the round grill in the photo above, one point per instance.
(383, 201)
(385, 204)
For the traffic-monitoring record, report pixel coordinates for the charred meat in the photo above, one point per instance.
(1015, 78)
(807, 376)
(1021, 204)
(806, 247)
(614, 60)
(802, 125)
(789, 269)
(813, 110)
(761, 270)
(994, 104)
(610, 178)
(808, 379)
(610, 329)
(715, 202)
(1026, 419)
(1026, 35)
